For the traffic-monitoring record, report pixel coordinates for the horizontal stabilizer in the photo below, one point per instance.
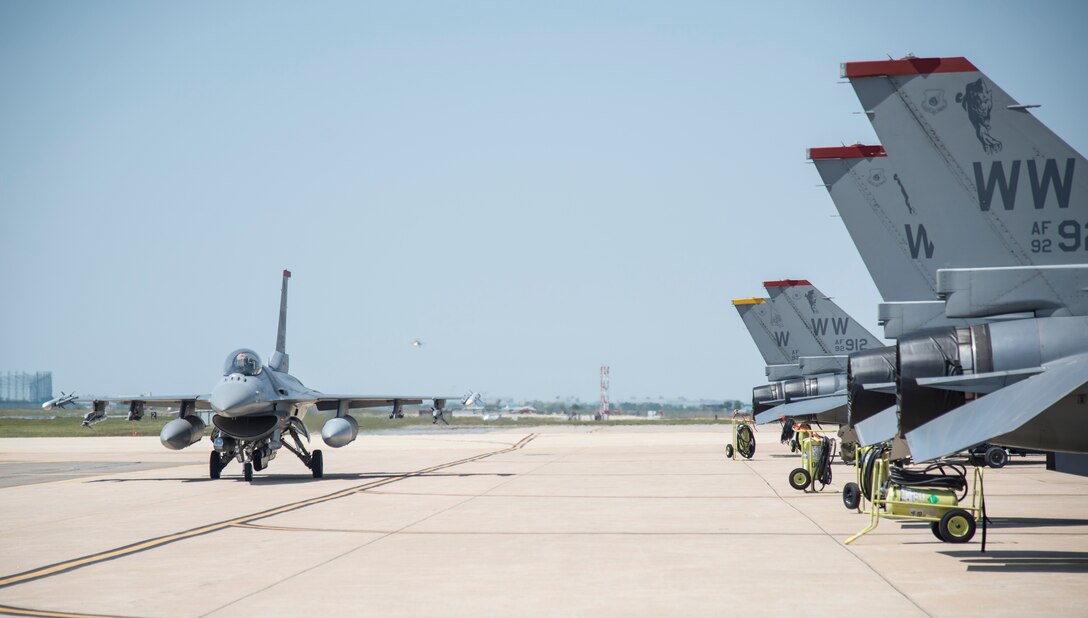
(980, 382)
(998, 413)
(879, 427)
(879, 387)
(804, 407)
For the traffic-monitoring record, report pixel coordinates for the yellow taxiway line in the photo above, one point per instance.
(128, 550)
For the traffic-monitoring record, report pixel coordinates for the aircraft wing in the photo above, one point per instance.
(878, 427)
(804, 407)
(156, 401)
(332, 402)
(1000, 412)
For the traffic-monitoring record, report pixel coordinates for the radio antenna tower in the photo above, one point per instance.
(602, 412)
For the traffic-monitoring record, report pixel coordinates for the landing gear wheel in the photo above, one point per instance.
(800, 478)
(247, 472)
(794, 446)
(935, 528)
(317, 464)
(215, 465)
(957, 526)
(996, 457)
(729, 451)
(258, 460)
(851, 496)
(746, 441)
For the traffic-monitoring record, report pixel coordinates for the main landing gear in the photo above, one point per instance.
(216, 464)
(254, 456)
(314, 461)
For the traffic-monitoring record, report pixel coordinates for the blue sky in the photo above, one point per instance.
(532, 189)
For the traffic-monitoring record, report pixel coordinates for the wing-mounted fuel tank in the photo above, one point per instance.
(869, 368)
(340, 431)
(939, 369)
(182, 432)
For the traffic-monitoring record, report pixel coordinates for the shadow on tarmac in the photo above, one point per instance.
(286, 479)
(1027, 561)
(1033, 522)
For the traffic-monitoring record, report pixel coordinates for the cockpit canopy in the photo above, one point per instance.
(243, 361)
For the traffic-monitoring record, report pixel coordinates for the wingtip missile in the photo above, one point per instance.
(59, 402)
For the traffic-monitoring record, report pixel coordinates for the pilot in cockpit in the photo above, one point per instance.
(245, 362)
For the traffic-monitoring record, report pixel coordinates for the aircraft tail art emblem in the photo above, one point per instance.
(979, 103)
(934, 101)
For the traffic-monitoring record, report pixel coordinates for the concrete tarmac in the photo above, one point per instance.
(556, 521)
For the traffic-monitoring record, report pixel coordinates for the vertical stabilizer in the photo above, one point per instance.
(750, 310)
(832, 327)
(280, 359)
(1006, 188)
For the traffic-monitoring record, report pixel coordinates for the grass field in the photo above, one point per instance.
(67, 423)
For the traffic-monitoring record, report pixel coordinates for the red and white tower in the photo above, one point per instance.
(602, 411)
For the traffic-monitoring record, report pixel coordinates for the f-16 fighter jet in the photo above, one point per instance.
(258, 410)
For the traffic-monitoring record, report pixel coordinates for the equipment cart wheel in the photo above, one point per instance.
(746, 441)
(996, 457)
(247, 472)
(215, 465)
(800, 478)
(851, 496)
(957, 526)
(935, 528)
(729, 451)
(317, 464)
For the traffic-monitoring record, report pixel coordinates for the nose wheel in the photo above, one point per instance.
(247, 472)
(317, 464)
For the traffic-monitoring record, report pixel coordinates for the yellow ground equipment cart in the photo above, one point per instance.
(744, 437)
(817, 453)
(935, 494)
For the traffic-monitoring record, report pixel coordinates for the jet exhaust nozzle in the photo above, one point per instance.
(340, 431)
(182, 432)
(872, 366)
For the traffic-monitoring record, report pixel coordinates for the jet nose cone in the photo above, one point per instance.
(231, 395)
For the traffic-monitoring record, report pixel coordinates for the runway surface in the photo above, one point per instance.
(595, 520)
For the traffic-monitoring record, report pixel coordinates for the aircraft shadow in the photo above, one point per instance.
(275, 479)
(1034, 522)
(1026, 561)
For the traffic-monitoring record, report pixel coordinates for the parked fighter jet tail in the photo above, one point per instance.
(754, 312)
(991, 201)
